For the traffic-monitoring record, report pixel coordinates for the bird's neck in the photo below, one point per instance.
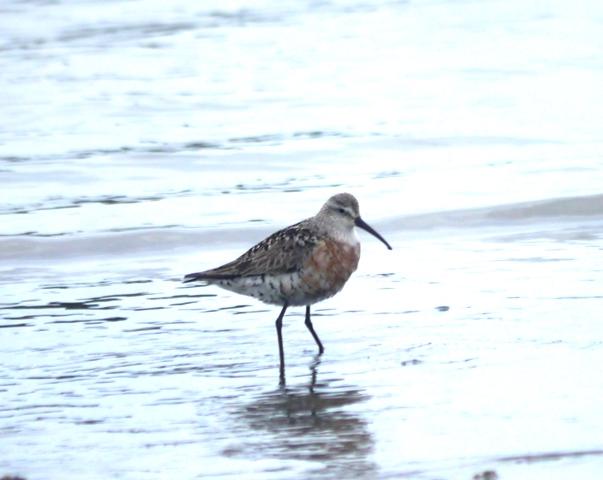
(345, 236)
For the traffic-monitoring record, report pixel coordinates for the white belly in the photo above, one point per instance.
(277, 289)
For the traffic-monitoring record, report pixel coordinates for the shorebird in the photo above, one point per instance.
(302, 264)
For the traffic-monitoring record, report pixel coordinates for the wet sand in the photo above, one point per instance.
(140, 150)
(458, 352)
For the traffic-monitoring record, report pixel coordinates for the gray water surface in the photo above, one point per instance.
(140, 141)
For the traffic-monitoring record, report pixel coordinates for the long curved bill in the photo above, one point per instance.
(365, 226)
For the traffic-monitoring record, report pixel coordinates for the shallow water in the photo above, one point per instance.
(142, 141)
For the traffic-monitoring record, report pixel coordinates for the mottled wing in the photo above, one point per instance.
(282, 252)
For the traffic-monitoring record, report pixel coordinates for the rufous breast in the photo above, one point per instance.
(328, 267)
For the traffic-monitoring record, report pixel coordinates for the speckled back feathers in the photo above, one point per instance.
(282, 252)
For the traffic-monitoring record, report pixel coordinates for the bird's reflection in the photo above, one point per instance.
(309, 422)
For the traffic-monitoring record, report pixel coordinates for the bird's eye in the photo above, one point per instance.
(341, 210)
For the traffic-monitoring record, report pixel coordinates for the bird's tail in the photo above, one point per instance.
(193, 277)
(207, 276)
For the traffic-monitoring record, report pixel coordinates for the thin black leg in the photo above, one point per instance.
(311, 328)
(281, 353)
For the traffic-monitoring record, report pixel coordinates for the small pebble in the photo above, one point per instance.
(486, 475)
